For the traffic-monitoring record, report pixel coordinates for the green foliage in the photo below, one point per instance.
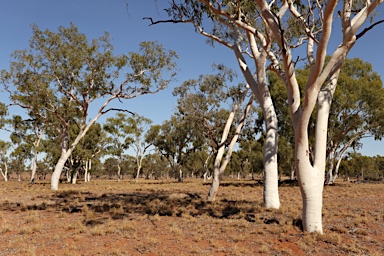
(63, 73)
(362, 167)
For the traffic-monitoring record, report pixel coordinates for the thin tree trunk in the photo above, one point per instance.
(219, 166)
(74, 176)
(138, 173)
(139, 162)
(336, 170)
(5, 173)
(34, 167)
(329, 180)
(59, 168)
(293, 173)
(118, 172)
(86, 171)
(180, 176)
(39, 134)
(263, 96)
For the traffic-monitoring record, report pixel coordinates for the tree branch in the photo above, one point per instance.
(118, 109)
(165, 21)
(367, 29)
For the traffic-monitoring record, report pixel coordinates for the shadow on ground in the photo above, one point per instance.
(129, 205)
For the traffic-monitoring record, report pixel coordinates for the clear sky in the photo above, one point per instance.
(123, 19)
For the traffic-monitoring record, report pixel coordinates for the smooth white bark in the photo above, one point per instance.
(271, 179)
(55, 178)
(261, 91)
(220, 166)
(5, 172)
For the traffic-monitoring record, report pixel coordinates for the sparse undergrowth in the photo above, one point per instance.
(169, 218)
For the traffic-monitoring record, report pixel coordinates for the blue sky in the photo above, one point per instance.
(126, 26)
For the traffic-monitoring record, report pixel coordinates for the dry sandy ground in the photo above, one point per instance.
(169, 218)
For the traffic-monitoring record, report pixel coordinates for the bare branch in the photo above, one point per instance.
(119, 110)
(165, 21)
(362, 33)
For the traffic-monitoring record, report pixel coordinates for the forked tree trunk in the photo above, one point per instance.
(139, 162)
(219, 165)
(311, 175)
(5, 173)
(74, 176)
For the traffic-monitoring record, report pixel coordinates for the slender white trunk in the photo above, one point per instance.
(336, 170)
(263, 96)
(5, 173)
(118, 172)
(139, 163)
(34, 167)
(180, 176)
(59, 168)
(219, 166)
(219, 156)
(74, 176)
(86, 171)
(35, 152)
(87, 177)
(271, 174)
(138, 173)
(293, 173)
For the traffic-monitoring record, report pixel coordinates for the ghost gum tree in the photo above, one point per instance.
(117, 128)
(215, 105)
(70, 73)
(234, 25)
(316, 21)
(289, 25)
(357, 112)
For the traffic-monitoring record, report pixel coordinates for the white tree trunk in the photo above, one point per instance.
(35, 152)
(293, 173)
(220, 166)
(74, 176)
(263, 96)
(118, 172)
(336, 170)
(138, 173)
(5, 173)
(86, 171)
(180, 176)
(34, 167)
(59, 168)
(139, 161)
(271, 175)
